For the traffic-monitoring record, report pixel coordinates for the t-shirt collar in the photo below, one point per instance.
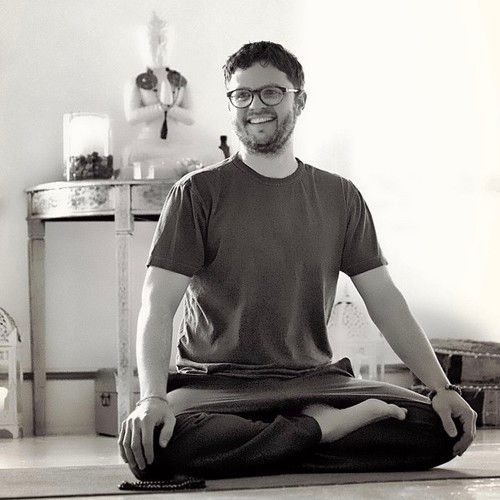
(238, 162)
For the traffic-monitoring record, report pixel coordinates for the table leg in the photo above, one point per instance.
(124, 227)
(36, 261)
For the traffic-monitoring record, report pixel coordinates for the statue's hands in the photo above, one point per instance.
(448, 404)
(175, 107)
(136, 435)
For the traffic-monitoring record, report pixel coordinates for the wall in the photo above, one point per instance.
(402, 100)
(76, 55)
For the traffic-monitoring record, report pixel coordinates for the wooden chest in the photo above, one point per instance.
(475, 367)
(469, 362)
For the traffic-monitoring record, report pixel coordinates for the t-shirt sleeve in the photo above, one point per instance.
(361, 251)
(180, 236)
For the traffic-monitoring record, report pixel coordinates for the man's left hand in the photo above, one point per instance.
(448, 404)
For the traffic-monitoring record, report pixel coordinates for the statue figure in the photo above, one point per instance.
(157, 99)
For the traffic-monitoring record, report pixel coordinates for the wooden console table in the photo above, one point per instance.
(121, 201)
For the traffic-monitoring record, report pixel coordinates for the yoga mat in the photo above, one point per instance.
(53, 482)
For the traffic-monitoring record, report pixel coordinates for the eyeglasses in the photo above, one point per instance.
(270, 96)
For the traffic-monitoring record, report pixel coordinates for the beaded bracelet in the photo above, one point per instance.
(150, 397)
(448, 387)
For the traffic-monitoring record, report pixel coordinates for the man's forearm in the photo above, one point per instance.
(153, 346)
(410, 343)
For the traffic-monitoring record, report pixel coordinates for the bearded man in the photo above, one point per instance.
(256, 244)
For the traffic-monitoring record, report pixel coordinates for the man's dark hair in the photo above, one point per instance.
(265, 53)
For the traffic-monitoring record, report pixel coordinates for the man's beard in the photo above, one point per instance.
(274, 144)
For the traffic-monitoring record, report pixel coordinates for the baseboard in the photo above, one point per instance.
(92, 374)
(68, 375)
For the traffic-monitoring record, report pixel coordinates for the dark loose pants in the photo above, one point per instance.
(228, 426)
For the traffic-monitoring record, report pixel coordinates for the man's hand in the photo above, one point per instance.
(448, 404)
(136, 434)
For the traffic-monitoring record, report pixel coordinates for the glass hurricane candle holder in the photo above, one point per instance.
(87, 147)
(353, 335)
(11, 378)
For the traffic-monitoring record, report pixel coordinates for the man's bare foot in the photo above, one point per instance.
(335, 423)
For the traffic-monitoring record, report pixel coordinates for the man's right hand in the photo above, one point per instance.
(136, 434)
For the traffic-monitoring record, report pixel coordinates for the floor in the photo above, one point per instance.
(100, 450)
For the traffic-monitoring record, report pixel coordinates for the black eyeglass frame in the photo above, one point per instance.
(258, 92)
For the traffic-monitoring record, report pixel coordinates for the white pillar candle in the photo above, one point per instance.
(3, 396)
(88, 133)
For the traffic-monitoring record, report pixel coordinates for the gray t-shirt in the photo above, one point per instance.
(264, 255)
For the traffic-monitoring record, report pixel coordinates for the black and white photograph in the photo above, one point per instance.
(251, 249)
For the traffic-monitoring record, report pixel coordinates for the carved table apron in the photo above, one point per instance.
(120, 200)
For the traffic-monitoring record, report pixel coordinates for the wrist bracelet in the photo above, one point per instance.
(150, 397)
(448, 387)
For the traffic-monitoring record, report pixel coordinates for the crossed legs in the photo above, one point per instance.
(327, 421)
(217, 445)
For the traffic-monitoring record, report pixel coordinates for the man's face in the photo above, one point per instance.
(261, 128)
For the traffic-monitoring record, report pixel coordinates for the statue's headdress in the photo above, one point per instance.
(154, 44)
(153, 38)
